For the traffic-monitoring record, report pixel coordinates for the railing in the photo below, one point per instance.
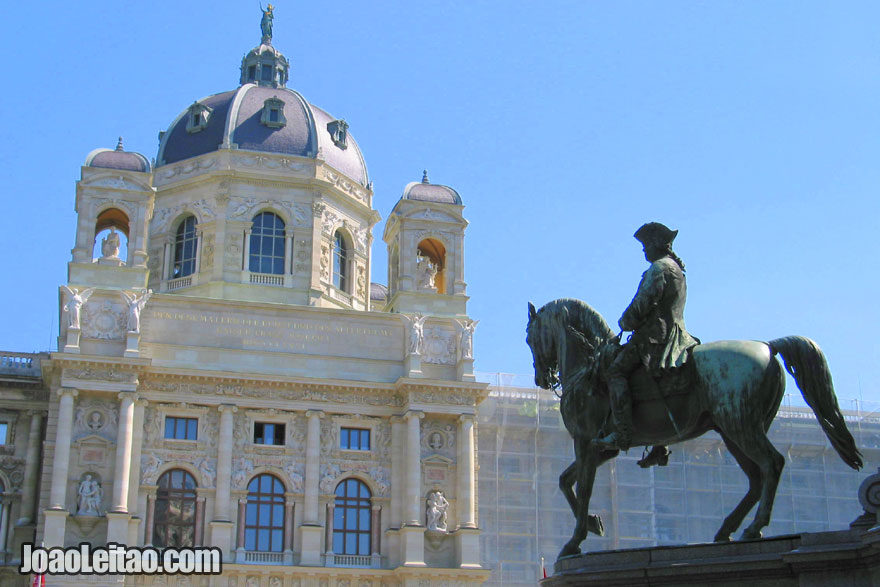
(179, 283)
(352, 560)
(264, 558)
(267, 279)
(340, 295)
(26, 364)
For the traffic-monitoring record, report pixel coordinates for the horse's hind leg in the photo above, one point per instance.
(748, 466)
(758, 448)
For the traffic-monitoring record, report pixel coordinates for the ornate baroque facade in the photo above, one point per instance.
(227, 373)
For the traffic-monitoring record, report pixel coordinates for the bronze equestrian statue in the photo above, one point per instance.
(732, 387)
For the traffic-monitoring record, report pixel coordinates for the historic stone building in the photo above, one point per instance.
(227, 374)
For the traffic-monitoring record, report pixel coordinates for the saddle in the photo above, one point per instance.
(672, 382)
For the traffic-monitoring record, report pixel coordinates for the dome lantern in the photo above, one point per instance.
(265, 65)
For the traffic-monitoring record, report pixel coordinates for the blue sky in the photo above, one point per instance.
(751, 127)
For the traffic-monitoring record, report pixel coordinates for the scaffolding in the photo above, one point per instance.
(523, 447)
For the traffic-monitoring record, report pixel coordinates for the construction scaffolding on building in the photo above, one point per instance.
(523, 447)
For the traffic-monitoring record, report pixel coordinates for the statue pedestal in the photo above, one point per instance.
(111, 261)
(72, 344)
(846, 557)
(412, 366)
(132, 345)
(464, 370)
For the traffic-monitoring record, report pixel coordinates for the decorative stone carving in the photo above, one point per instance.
(436, 511)
(295, 472)
(438, 437)
(155, 259)
(89, 497)
(416, 325)
(152, 426)
(105, 321)
(101, 374)
(348, 187)
(189, 167)
(380, 478)
(208, 250)
(208, 471)
(240, 433)
(205, 210)
(296, 433)
(274, 582)
(232, 256)
(242, 471)
(329, 443)
(150, 465)
(438, 347)
(318, 209)
(426, 271)
(245, 207)
(329, 474)
(75, 299)
(252, 582)
(325, 262)
(361, 281)
(14, 470)
(383, 440)
(434, 397)
(110, 245)
(94, 417)
(135, 305)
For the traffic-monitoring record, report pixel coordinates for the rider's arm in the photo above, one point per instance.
(649, 294)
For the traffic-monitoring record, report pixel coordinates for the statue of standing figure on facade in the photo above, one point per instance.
(89, 497)
(135, 305)
(426, 271)
(76, 299)
(416, 325)
(266, 23)
(466, 341)
(110, 245)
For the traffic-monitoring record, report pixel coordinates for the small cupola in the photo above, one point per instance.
(265, 65)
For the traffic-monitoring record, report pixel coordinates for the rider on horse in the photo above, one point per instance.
(659, 339)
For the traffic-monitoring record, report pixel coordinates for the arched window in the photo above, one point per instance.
(111, 237)
(174, 519)
(431, 265)
(267, 244)
(185, 248)
(264, 521)
(340, 262)
(351, 518)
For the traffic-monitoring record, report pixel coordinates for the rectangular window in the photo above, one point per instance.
(354, 439)
(181, 428)
(252, 73)
(268, 433)
(4, 432)
(273, 115)
(266, 73)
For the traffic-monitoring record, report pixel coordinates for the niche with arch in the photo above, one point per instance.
(431, 266)
(111, 237)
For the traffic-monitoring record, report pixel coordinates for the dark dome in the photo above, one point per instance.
(117, 159)
(236, 117)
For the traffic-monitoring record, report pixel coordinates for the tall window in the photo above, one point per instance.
(340, 262)
(185, 248)
(264, 523)
(174, 520)
(351, 518)
(267, 244)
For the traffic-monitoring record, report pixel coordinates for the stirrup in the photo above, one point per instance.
(655, 457)
(612, 441)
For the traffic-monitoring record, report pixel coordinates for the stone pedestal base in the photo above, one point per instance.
(311, 541)
(134, 532)
(56, 524)
(467, 548)
(20, 535)
(413, 365)
(72, 343)
(412, 542)
(132, 345)
(117, 527)
(464, 370)
(221, 537)
(847, 557)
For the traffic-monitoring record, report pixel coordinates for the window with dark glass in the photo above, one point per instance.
(266, 73)
(264, 522)
(351, 518)
(185, 248)
(273, 115)
(340, 262)
(174, 517)
(268, 433)
(252, 72)
(267, 244)
(354, 439)
(181, 428)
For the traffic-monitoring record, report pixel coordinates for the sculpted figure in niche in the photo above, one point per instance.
(96, 421)
(426, 271)
(74, 304)
(135, 306)
(89, 496)
(416, 332)
(436, 513)
(110, 245)
(436, 441)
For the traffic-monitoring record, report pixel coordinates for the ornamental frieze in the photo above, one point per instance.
(89, 374)
(104, 320)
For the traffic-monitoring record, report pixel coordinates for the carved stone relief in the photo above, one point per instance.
(245, 208)
(152, 426)
(361, 281)
(348, 187)
(188, 167)
(232, 256)
(329, 474)
(438, 346)
(325, 262)
(95, 417)
(14, 470)
(296, 474)
(241, 472)
(150, 464)
(208, 468)
(104, 320)
(208, 251)
(438, 437)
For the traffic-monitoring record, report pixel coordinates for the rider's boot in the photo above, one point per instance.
(659, 455)
(621, 409)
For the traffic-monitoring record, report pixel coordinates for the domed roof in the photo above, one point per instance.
(117, 159)
(425, 191)
(378, 292)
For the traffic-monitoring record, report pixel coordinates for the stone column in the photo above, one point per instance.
(151, 515)
(247, 251)
(197, 265)
(123, 452)
(328, 538)
(466, 486)
(31, 465)
(167, 269)
(288, 531)
(375, 530)
(398, 490)
(198, 539)
(242, 519)
(56, 515)
(310, 530)
(221, 525)
(413, 513)
(134, 486)
(288, 252)
(5, 507)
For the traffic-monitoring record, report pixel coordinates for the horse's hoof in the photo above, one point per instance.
(752, 535)
(568, 551)
(595, 525)
(722, 537)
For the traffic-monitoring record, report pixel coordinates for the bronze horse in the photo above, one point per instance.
(736, 391)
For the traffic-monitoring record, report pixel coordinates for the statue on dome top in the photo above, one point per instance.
(266, 23)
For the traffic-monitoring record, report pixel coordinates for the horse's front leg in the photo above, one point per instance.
(566, 486)
(587, 460)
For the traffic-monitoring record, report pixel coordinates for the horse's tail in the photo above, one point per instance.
(806, 362)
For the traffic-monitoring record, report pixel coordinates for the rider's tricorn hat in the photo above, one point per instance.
(656, 234)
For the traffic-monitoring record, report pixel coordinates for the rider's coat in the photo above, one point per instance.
(656, 316)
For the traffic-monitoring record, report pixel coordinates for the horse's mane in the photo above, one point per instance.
(581, 317)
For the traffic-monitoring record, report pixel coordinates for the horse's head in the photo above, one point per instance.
(544, 357)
